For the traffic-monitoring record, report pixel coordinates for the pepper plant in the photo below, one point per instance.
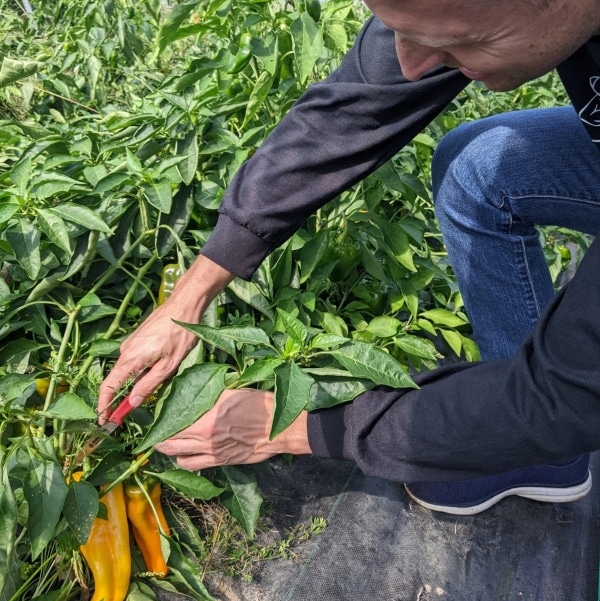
(121, 125)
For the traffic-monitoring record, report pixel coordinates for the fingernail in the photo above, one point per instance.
(136, 401)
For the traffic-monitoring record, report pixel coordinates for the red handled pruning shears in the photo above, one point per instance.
(114, 421)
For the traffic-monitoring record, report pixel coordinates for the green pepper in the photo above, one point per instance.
(170, 274)
(243, 56)
(373, 294)
(346, 255)
(232, 90)
(313, 8)
(205, 218)
(565, 255)
(222, 312)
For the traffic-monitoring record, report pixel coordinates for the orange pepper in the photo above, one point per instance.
(142, 517)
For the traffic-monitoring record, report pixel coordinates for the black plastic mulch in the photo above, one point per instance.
(379, 545)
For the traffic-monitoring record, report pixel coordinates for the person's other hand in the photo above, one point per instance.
(152, 353)
(235, 432)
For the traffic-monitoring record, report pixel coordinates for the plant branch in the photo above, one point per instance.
(83, 106)
(132, 469)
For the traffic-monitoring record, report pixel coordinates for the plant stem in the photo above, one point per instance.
(143, 211)
(61, 354)
(132, 469)
(116, 322)
(84, 106)
(17, 596)
(150, 503)
(121, 261)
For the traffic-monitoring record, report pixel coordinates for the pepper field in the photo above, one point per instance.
(121, 124)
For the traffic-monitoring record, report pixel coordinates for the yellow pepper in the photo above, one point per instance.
(42, 384)
(107, 550)
(143, 519)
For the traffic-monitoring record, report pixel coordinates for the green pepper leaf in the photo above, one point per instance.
(259, 371)
(443, 317)
(81, 216)
(330, 391)
(45, 491)
(417, 347)
(308, 45)
(192, 394)
(292, 394)
(169, 28)
(158, 194)
(190, 485)
(185, 573)
(54, 227)
(227, 337)
(69, 406)
(13, 70)
(384, 326)
(242, 497)
(8, 526)
(293, 327)
(188, 147)
(81, 508)
(366, 361)
(24, 240)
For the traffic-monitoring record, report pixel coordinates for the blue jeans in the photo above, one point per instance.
(493, 181)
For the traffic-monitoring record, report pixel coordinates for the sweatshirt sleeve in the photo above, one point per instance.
(337, 133)
(471, 420)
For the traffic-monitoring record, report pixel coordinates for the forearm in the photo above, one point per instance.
(341, 130)
(474, 419)
(197, 287)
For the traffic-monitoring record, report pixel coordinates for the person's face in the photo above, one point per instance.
(502, 43)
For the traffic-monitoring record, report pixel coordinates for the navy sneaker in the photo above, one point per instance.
(553, 483)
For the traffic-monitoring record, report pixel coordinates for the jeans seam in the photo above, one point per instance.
(529, 278)
(505, 206)
(538, 195)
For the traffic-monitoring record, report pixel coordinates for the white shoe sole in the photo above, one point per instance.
(535, 493)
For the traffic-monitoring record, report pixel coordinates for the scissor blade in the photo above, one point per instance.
(114, 421)
(94, 442)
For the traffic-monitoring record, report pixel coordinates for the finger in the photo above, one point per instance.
(123, 372)
(194, 463)
(105, 398)
(111, 385)
(183, 446)
(151, 379)
(149, 374)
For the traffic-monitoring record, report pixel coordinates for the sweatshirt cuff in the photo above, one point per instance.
(326, 431)
(235, 248)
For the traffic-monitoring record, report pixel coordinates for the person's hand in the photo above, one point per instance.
(235, 432)
(154, 351)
